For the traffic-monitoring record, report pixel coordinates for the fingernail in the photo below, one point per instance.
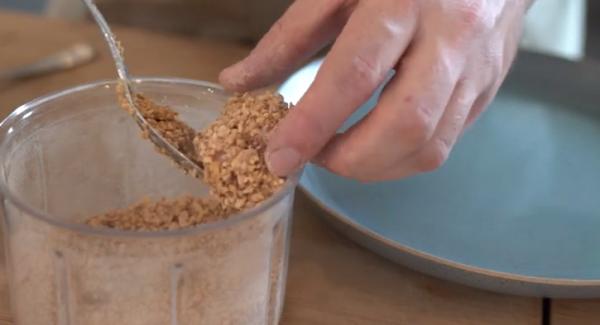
(284, 161)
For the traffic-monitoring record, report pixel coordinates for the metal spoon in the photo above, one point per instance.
(71, 57)
(163, 145)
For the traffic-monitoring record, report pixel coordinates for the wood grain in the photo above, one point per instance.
(24, 39)
(575, 312)
(334, 281)
(331, 280)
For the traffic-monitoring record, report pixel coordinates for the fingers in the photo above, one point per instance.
(344, 81)
(478, 107)
(405, 118)
(436, 151)
(306, 27)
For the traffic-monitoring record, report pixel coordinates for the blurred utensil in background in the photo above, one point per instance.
(76, 55)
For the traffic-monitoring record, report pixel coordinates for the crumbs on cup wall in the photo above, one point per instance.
(231, 151)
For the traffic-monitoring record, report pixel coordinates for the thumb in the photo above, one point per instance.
(295, 140)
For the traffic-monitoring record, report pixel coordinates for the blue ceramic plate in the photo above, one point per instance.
(517, 206)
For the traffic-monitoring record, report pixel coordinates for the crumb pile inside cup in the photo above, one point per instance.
(233, 273)
(230, 150)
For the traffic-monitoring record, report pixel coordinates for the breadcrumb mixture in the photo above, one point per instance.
(231, 152)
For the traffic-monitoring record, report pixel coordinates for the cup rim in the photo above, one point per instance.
(289, 185)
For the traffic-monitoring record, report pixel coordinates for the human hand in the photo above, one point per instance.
(450, 58)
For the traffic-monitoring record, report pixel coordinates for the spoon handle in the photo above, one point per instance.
(155, 137)
(77, 54)
(113, 44)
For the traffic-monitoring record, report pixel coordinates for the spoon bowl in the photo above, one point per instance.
(163, 146)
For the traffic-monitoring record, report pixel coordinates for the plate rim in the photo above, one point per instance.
(452, 270)
(393, 245)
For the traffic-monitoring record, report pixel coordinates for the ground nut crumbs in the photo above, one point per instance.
(231, 151)
(233, 274)
(164, 119)
(161, 214)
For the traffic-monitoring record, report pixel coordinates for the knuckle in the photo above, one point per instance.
(343, 165)
(279, 26)
(473, 17)
(417, 127)
(353, 164)
(448, 66)
(364, 75)
(313, 129)
(433, 156)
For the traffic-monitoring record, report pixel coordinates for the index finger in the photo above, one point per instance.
(376, 35)
(305, 28)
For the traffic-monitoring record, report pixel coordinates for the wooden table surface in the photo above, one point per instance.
(331, 279)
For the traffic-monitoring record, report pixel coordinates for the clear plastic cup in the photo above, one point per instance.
(74, 154)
